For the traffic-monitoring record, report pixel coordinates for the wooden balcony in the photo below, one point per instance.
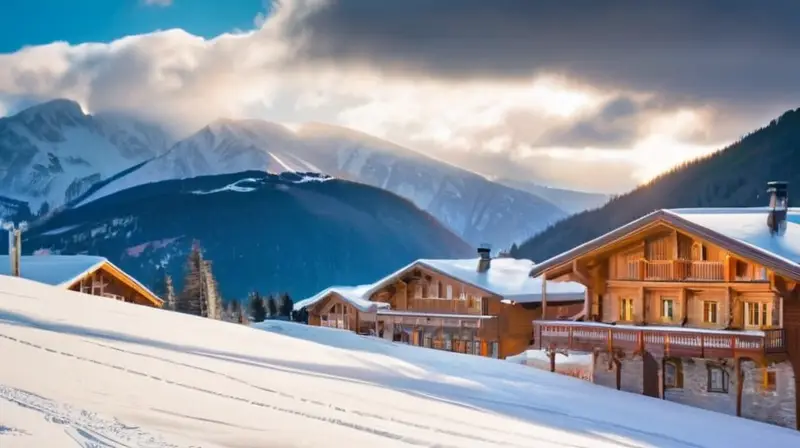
(436, 305)
(674, 270)
(662, 341)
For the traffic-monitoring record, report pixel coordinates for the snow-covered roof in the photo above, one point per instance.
(354, 295)
(742, 230)
(506, 277)
(749, 226)
(56, 270)
(63, 270)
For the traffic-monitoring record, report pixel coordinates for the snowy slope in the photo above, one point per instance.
(53, 152)
(86, 371)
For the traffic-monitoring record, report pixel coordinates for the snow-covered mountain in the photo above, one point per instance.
(475, 208)
(53, 152)
(571, 201)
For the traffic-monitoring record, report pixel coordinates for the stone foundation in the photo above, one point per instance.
(770, 404)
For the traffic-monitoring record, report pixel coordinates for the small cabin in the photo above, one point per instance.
(83, 273)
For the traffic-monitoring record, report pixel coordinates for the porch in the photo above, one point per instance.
(658, 340)
(460, 333)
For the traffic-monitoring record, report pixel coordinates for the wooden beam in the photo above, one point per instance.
(544, 297)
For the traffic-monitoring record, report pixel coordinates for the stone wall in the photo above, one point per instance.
(774, 405)
(631, 373)
(695, 387)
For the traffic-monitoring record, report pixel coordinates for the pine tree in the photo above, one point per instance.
(193, 298)
(213, 299)
(285, 306)
(169, 293)
(258, 312)
(236, 311)
(272, 307)
(300, 315)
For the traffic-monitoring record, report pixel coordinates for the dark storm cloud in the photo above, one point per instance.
(696, 50)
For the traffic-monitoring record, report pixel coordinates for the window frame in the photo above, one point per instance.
(664, 301)
(770, 381)
(707, 308)
(623, 301)
(724, 377)
(761, 311)
(677, 365)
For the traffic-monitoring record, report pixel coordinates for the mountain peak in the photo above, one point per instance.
(59, 106)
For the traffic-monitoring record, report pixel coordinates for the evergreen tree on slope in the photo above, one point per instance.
(272, 307)
(258, 312)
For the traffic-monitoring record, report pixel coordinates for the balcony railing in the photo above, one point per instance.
(674, 270)
(664, 341)
(436, 305)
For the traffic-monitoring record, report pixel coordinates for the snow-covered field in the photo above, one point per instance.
(77, 370)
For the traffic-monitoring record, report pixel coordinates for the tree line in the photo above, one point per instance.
(278, 306)
(200, 297)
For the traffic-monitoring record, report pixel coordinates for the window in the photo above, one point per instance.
(476, 347)
(626, 309)
(434, 290)
(667, 309)
(673, 374)
(448, 342)
(418, 291)
(770, 380)
(710, 312)
(449, 292)
(717, 379)
(495, 349)
(756, 314)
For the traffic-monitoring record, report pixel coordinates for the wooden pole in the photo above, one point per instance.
(544, 296)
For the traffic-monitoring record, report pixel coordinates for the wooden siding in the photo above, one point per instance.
(108, 282)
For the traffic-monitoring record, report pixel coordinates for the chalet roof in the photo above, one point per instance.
(741, 230)
(354, 295)
(507, 278)
(62, 270)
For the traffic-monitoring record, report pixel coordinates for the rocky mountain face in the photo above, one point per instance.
(53, 152)
(473, 207)
(295, 233)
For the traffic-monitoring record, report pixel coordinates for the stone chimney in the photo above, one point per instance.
(779, 207)
(485, 260)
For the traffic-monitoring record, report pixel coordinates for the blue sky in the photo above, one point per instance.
(36, 22)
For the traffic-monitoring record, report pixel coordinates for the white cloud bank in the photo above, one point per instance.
(523, 129)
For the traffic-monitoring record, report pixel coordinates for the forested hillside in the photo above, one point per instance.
(735, 176)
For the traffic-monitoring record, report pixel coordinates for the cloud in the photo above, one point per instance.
(583, 96)
(725, 50)
(158, 2)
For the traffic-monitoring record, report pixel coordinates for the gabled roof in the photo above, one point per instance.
(65, 270)
(743, 231)
(507, 278)
(354, 295)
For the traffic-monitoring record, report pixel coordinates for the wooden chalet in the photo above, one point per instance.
(82, 273)
(480, 306)
(697, 306)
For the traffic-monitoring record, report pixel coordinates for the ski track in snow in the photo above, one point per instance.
(87, 429)
(104, 426)
(94, 427)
